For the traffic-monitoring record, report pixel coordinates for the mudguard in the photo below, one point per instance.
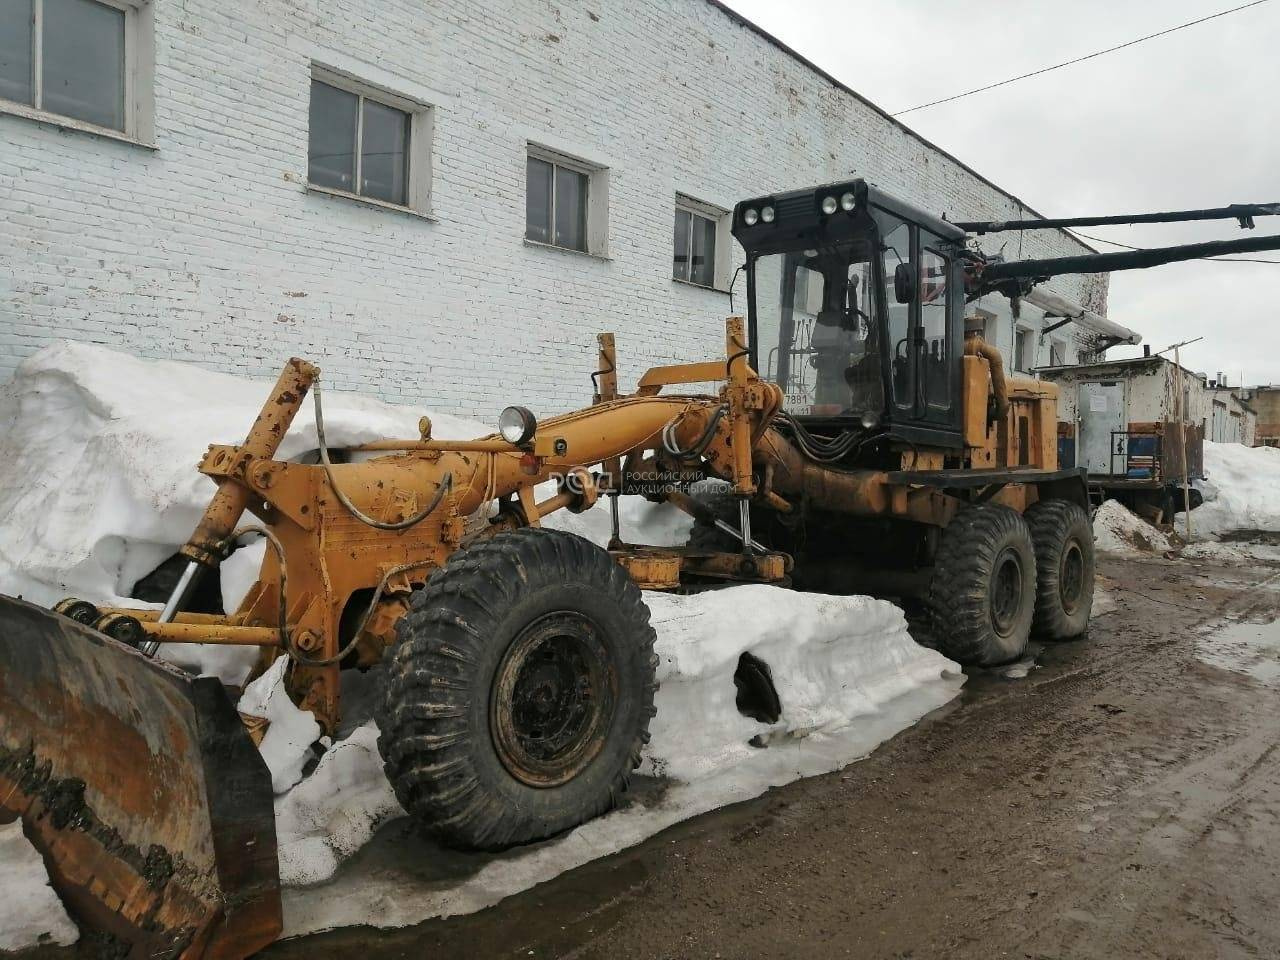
(141, 789)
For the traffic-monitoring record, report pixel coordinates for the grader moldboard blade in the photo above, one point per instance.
(141, 789)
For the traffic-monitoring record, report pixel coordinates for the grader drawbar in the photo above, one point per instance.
(869, 442)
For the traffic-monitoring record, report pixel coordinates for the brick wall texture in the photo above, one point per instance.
(210, 248)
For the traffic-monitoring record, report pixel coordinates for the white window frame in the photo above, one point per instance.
(1027, 362)
(139, 77)
(990, 326)
(597, 199)
(723, 254)
(1059, 346)
(421, 134)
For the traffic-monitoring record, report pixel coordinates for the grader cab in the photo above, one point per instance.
(866, 441)
(856, 303)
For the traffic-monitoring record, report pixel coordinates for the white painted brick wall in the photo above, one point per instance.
(209, 249)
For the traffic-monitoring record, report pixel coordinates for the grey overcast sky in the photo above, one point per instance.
(1182, 121)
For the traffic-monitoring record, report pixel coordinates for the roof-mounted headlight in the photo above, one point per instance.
(830, 205)
(847, 202)
(766, 214)
(517, 425)
(751, 216)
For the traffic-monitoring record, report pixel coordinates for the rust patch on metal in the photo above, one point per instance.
(141, 789)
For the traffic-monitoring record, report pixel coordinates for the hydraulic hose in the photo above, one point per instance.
(446, 483)
(699, 446)
(286, 639)
(229, 544)
(309, 661)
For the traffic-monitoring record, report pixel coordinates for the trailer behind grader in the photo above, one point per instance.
(867, 442)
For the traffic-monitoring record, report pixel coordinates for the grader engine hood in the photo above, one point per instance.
(140, 788)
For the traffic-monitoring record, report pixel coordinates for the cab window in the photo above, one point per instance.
(895, 248)
(933, 367)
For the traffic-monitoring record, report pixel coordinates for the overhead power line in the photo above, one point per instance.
(1078, 235)
(1090, 56)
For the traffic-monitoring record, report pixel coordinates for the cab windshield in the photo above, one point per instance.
(817, 328)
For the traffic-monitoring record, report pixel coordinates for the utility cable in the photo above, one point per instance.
(1090, 56)
(1078, 234)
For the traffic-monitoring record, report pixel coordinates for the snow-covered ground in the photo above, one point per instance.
(30, 912)
(98, 486)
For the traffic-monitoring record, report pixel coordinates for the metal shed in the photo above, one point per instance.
(1133, 424)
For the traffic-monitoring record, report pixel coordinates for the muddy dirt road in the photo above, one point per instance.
(1122, 800)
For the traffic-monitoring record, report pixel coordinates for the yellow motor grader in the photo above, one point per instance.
(867, 441)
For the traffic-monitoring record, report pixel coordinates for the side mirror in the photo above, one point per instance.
(904, 283)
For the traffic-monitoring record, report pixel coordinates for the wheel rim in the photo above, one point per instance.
(553, 700)
(1071, 577)
(1006, 592)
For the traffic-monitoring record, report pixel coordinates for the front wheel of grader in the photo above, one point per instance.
(519, 695)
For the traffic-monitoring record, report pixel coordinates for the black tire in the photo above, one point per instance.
(518, 697)
(1063, 539)
(982, 596)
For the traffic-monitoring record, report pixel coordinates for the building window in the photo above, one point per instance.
(990, 325)
(566, 202)
(1057, 353)
(702, 244)
(556, 202)
(695, 248)
(359, 145)
(1024, 356)
(86, 60)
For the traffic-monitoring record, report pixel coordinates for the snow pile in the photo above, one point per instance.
(1247, 485)
(657, 524)
(1117, 530)
(97, 461)
(848, 677)
(31, 914)
(334, 811)
(845, 670)
(287, 744)
(831, 659)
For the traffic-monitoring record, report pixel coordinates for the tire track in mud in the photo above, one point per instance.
(1196, 766)
(1029, 817)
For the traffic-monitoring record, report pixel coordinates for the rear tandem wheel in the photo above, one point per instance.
(982, 596)
(1063, 539)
